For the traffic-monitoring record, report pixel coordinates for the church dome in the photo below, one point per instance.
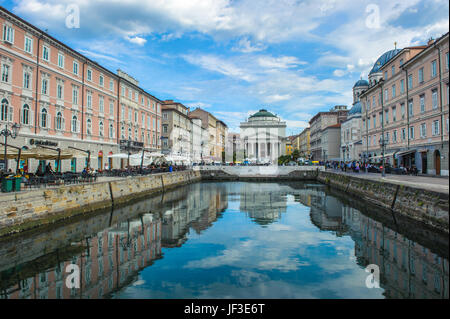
(361, 83)
(356, 109)
(262, 113)
(382, 60)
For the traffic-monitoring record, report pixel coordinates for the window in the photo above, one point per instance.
(44, 86)
(45, 53)
(421, 75)
(5, 73)
(402, 110)
(74, 124)
(59, 121)
(8, 34)
(447, 60)
(75, 95)
(410, 82)
(393, 70)
(130, 94)
(402, 86)
(394, 136)
(423, 130)
(101, 80)
(434, 99)
(123, 91)
(386, 140)
(122, 132)
(394, 114)
(385, 75)
(44, 118)
(89, 100)
(111, 85)
(60, 60)
(164, 128)
(59, 91)
(100, 128)
(129, 114)
(75, 67)
(435, 128)
(411, 133)
(26, 114)
(26, 80)
(394, 93)
(422, 103)
(89, 75)
(136, 96)
(89, 127)
(129, 133)
(401, 62)
(374, 121)
(101, 104)
(410, 108)
(28, 47)
(111, 131)
(433, 69)
(135, 117)
(111, 107)
(386, 95)
(403, 134)
(386, 116)
(165, 116)
(143, 120)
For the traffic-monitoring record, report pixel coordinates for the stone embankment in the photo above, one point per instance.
(425, 206)
(28, 209)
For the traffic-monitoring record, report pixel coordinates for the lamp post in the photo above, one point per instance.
(382, 143)
(13, 134)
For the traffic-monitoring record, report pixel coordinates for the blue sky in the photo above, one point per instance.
(233, 57)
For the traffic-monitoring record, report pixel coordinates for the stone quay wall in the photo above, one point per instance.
(28, 209)
(428, 207)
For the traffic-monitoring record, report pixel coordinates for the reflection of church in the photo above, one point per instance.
(264, 203)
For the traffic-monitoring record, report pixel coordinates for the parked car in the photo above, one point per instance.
(374, 169)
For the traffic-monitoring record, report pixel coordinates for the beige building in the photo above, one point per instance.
(176, 129)
(216, 131)
(318, 124)
(406, 108)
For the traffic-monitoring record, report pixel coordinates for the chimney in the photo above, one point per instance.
(430, 42)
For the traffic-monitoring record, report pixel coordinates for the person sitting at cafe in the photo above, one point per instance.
(48, 169)
(40, 171)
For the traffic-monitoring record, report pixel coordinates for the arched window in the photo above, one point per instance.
(4, 110)
(89, 127)
(44, 118)
(26, 114)
(74, 124)
(59, 121)
(100, 127)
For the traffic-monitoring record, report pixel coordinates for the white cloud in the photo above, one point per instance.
(283, 62)
(136, 40)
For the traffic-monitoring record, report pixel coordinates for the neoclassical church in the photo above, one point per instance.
(263, 136)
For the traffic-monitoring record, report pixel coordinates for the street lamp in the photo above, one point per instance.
(382, 143)
(13, 134)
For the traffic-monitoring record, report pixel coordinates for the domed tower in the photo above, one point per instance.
(358, 88)
(375, 74)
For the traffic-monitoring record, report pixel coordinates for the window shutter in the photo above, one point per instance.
(63, 124)
(49, 120)
(30, 118)
(78, 126)
(21, 116)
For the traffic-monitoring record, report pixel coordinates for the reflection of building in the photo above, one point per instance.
(107, 261)
(408, 269)
(198, 209)
(264, 202)
(264, 136)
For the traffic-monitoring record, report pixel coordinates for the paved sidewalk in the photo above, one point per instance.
(436, 184)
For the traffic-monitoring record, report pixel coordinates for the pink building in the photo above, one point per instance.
(62, 98)
(406, 107)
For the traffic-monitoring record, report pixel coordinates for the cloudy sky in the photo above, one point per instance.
(233, 57)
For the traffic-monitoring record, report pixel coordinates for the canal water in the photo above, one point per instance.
(230, 240)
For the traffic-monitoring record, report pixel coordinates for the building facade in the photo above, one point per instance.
(304, 143)
(319, 123)
(61, 98)
(351, 140)
(406, 108)
(176, 129)
(264, 136)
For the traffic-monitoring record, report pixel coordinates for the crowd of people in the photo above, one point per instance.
(366, 167)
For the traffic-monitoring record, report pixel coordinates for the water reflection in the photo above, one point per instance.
(229, 240)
